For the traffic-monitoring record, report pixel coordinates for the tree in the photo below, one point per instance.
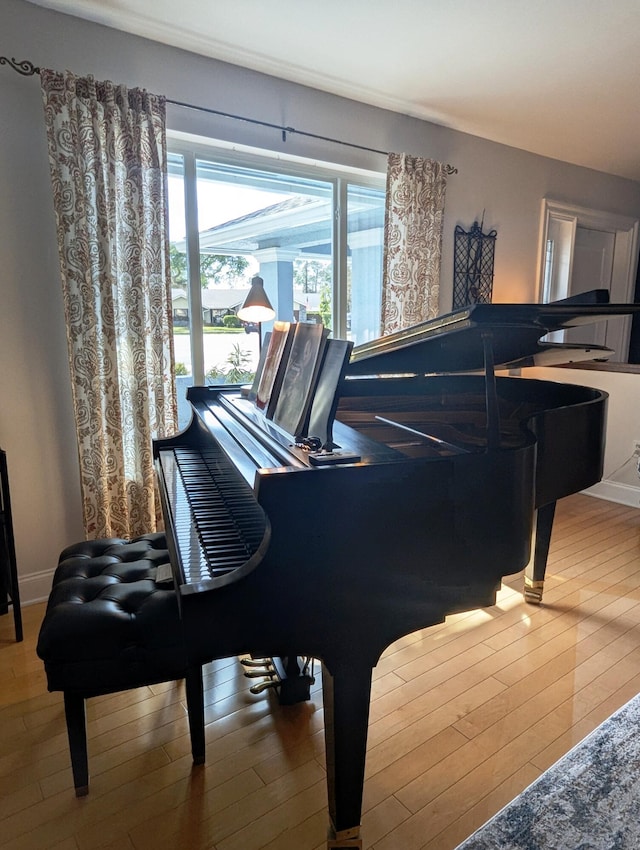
(324, 307)
(311, 275)
(214, 268)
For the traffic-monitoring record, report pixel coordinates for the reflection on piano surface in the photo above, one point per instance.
(277, 557)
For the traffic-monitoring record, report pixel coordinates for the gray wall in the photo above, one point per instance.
(36, 419)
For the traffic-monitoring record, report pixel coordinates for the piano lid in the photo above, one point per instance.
(455, 342)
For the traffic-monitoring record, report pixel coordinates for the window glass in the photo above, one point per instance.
(179, 286)
(237, 221)
(260, 222)
(365, 229)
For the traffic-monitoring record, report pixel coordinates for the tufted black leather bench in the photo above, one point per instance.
(110, 627)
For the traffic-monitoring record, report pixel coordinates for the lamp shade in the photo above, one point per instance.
(256, 307)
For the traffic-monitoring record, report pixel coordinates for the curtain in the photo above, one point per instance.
(412, 241)
(107, 155)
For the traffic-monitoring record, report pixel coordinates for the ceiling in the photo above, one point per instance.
(556, 77)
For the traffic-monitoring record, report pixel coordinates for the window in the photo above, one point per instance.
(314, 235)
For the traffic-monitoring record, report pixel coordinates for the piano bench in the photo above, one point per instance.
(109, 627)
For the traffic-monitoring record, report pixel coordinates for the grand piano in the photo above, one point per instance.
(435, 476)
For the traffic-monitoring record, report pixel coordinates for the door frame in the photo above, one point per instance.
(625, 252)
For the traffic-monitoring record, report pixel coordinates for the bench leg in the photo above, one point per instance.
(75, 714)
(195, 710)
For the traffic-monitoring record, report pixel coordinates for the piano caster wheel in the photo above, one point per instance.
(344, 839)
(533, 591)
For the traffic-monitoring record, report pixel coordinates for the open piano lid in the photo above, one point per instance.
(455, 342)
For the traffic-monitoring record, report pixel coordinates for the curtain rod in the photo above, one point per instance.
(28, 69)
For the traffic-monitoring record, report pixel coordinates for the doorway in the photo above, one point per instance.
(584, 249)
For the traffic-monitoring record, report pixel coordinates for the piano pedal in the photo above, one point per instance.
(260, 668)
(255, 662)
(256, 674)
(256, 667)
(263, 686)
(291, 677)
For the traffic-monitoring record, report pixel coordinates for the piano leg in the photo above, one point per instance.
(537, 566)
(195, 709)
(346, 696)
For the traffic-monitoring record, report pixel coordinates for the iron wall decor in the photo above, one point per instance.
(473, 265)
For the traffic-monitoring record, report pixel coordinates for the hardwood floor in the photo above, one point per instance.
(463, 716)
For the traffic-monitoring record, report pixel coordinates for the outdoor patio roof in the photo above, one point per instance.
(298, 223)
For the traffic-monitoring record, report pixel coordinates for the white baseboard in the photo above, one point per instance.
(612, 491)
(35, 587)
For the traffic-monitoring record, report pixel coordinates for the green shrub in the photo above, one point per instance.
(231, 322)
(215, 375)
(235, 371)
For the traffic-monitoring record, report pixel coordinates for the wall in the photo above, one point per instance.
(36, 421)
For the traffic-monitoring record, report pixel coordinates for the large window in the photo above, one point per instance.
(313, 235)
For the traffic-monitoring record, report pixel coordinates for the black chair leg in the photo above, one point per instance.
(195, 709)
(75, 714)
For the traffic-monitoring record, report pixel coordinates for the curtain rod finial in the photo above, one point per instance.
(26, 68)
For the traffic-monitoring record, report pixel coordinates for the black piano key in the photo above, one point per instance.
(218, 523)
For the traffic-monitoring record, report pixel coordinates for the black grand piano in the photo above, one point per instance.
(424, 495)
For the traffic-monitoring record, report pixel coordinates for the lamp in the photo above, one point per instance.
(257, 307)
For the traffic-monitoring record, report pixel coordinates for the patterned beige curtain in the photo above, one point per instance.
(107, 153)
(412, 241)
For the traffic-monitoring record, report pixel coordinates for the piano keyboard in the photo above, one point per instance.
(217, 523)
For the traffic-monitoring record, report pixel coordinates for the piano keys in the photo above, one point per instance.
(274, 556)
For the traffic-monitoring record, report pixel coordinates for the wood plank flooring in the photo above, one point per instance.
(463, 716)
